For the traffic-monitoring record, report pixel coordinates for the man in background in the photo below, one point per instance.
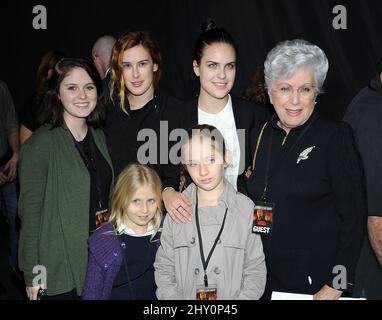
(364, 114)
(101, 55)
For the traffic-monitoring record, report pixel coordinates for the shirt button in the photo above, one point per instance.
(192, 240)
(115, 254)
(217, 270)
(105, 266)
(196, 271)
(123, 245)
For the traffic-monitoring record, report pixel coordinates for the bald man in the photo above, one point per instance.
(101, 54)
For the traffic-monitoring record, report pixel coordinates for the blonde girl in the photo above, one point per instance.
(122, 252)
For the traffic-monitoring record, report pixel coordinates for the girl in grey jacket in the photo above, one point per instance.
(215, 255)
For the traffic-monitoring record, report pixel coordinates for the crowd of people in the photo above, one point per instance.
(243, 197)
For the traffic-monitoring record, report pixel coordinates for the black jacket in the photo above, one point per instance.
(121, 132)
(318, 190)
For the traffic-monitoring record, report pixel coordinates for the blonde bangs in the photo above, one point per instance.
(129, 181)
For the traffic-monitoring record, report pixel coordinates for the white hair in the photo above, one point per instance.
(288, 56)
(103, 46)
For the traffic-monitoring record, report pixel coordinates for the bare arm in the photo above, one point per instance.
(374, 226)
(25, 134)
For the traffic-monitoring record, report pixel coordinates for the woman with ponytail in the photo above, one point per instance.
(214, 63)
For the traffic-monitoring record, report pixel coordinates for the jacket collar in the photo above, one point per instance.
(130, 232)
(195, 107)
(226, 197)
(153, 103)
(274, 119)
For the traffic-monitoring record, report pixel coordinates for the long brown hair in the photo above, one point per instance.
(52, 108)
(128, 41)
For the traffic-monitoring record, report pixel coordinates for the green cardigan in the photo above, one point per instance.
(54, 208)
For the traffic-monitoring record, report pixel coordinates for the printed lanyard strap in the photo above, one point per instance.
(204, 261)
(268, 176)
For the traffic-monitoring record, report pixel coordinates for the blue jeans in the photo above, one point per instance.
(8, 207)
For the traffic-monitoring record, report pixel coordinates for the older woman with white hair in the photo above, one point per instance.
(306, 181)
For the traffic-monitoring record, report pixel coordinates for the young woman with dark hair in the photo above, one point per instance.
(65, 179)
(214, 63)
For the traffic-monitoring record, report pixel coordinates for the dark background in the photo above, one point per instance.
(256, 25)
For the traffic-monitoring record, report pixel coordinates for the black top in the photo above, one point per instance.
(121, 132)
(98, 169)
(364, 114)
(248, 116)
(140, 256)
(320, 204)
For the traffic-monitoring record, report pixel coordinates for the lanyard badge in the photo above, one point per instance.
(206, 293)
(101, 217)
(263, 218)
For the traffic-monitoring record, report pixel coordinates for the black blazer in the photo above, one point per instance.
(248, 115)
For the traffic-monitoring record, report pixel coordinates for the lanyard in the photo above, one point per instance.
(90, 163)
(268, 176)
(204, 261)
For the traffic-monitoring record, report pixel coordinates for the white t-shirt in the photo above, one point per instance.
(224, 121)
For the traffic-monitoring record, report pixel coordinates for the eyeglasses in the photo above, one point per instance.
(307, 91)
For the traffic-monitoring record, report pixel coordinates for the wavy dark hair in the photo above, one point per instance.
(211, 34)
(52, 105)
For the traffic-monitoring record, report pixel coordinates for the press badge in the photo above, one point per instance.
(263, 218)
(101, 217)
(206, 293)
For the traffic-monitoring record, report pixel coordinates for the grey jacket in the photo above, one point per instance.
(237, 266)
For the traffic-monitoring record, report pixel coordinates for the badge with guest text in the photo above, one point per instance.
(206, 293)
(263, 218)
